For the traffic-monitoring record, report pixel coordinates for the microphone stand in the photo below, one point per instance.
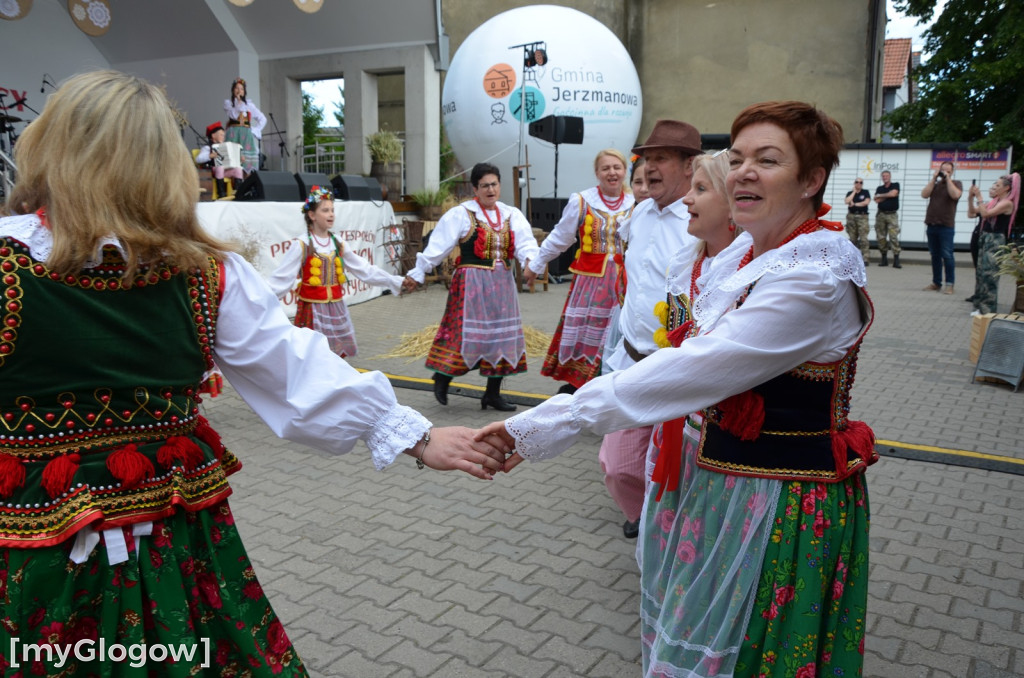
(282, 146)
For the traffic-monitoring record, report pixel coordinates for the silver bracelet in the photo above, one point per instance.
(426, 441)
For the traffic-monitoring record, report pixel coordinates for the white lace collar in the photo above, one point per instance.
(823, 250)
(677, 280)
(29, 230)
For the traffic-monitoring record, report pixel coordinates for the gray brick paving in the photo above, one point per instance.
(408, 573)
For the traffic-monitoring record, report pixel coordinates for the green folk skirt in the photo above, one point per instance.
(186, 602)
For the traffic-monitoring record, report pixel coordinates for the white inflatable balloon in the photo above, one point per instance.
(579, 68)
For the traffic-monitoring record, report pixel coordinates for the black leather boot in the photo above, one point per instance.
(441, 382)
(896, 261)
(492, 397)
(885, 259)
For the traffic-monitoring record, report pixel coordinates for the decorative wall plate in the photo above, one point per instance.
(91, 16)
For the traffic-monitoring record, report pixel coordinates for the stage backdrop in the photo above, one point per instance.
(262, 231)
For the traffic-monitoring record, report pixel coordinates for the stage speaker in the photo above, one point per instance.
(544, 214)
(376, 193)
(307, 180)
(274, 186)
(558, 129)
(350, 187)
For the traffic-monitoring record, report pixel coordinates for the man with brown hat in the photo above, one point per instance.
(654, 231)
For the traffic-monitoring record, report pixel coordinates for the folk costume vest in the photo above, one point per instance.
(793, 427)
(484, 245)
(323, 276)
(599, 240)
(99, 379)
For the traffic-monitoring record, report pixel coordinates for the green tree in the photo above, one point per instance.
(971, 87)
(339, 108)
(312, 118)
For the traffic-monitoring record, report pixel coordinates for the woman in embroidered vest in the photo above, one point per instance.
(754, 537)
(245, 125)
(114, 521)
(322, 265)
(593, 216)
(481, 328)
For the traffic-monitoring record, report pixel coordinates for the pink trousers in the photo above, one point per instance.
(623, 458)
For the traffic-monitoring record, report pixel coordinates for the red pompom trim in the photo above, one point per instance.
(12, 474)
(206, 433)
(680, 334)
(130, 466)
(743, 415)
(857, 436)
(180, 448)
(59, 473)
(670, 457)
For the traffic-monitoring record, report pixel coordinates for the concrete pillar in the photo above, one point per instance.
(422, 121)
(360, 119)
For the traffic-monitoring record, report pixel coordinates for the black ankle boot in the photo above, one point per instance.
(441, 382)
(492, 397)
(885, 259)
(896, 261)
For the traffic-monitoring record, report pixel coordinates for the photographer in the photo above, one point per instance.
(943, 193)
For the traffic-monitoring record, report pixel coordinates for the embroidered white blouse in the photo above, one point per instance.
(804, 307)
(286, 374)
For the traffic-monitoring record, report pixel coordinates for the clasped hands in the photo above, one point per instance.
(480, 453)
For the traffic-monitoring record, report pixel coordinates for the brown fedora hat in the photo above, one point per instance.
(672, 134)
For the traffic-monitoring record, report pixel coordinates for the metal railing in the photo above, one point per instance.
(7, 172)
(323, 158)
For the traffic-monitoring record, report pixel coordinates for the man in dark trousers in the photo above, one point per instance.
(943, 193)
(887, 223)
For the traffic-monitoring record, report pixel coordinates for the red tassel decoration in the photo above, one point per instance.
(12, 474)
(130, 466)
(743, 415)
(858, 437)
(179, 448)
(206, 433)
(680, 334)
(59, 473)
(670, 457)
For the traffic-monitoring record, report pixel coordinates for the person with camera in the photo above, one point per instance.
(857, 227)
(943, 193)
(887, 221)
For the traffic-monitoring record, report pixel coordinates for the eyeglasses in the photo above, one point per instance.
(858, 182)
(493, 184)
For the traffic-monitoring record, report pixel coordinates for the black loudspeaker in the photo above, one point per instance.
(273, 186)
(558, 129)
(307, 180)
(351, 187)
(374, 187)
(544, 214)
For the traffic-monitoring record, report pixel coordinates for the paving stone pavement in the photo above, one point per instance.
(406, 573)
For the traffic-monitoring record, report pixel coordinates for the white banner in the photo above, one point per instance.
(262, 232)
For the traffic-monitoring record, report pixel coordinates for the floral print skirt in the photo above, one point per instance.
(752, 577)
(188, 587)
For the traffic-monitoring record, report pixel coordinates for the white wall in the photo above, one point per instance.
(24, 57)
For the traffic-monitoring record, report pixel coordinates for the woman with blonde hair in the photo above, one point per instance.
(997, 218)
(592, 216)
(114, 521)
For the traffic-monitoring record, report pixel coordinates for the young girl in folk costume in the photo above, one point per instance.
(322, 264)
(481, 328)
(245, 125)
(593, 215)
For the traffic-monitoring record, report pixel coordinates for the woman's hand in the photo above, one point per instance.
(459, 448)
(409, 285)
(497, 430)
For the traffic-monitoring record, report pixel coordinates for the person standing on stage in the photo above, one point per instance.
(592, 216)
(245, 125)
(481, 327)
(322, 266)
